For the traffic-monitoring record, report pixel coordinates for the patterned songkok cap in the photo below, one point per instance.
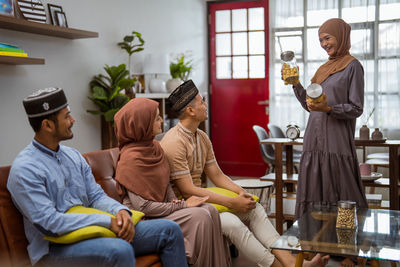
(182, 95)
(45, 102)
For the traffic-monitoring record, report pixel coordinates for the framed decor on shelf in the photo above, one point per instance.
(52, 12)
(32, 10)
(7, 8)
(139, 84)
(61, 19)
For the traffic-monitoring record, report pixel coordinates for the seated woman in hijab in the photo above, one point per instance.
(143, 182)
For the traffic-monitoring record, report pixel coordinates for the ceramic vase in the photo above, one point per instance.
(173, 83)
(364, 132)
(377, 135)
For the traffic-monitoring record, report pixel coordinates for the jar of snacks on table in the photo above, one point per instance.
(346, 215)
(290, 71)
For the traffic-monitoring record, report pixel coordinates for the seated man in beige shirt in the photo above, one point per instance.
(190, 153)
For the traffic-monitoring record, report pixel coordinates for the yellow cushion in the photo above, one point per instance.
(228, 193)
(89, 231)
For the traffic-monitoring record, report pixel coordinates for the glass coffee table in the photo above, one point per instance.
(377, 236)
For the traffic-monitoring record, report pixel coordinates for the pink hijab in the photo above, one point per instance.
(342, 58)
(142, 167)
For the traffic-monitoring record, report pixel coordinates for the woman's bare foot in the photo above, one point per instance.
(347, 262)
(318, 261)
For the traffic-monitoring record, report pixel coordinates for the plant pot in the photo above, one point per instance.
(108, 138)
(173, 83)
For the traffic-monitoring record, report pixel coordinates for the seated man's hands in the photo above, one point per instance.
(194, 201)
(122, 225)
(244, 202)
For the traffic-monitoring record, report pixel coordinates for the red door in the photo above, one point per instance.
(238, 40)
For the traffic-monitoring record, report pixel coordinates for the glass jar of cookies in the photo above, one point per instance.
(290, 71)
(346, 215)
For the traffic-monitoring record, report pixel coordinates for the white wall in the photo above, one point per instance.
(168, 26)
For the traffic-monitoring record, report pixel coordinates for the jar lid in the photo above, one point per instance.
(287, 55)
(314, 90)
(346, 204)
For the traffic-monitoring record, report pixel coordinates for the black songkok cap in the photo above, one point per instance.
(45, 102)
(182, 95)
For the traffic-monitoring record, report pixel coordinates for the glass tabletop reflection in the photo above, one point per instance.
(377, 235)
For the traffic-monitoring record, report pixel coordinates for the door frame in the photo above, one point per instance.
(265, 4)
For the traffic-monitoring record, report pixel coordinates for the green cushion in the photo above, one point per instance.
(92, 231)
(228, 193)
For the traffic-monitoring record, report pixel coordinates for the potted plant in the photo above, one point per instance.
(132, 44)
(180, 71)
(106, 94)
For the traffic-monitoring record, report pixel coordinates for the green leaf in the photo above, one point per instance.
(119, 101)
(138, 50)
(114, 93)
(181, 68)
(109, 115)
(99, 93)
(101, 104)
(126, 83)
(95, 112)
(128, 38)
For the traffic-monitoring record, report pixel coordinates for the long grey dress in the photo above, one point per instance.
(201, 227)
(329, 169)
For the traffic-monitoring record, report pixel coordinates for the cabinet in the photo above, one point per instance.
(15, 24)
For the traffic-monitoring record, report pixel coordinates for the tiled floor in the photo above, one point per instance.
(243, 262)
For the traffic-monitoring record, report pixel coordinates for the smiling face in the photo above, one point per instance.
(157, 124)
(329, 43)
(63, 124)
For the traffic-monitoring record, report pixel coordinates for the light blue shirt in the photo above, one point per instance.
(44, 184)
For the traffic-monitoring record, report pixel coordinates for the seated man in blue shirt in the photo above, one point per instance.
(47, 179)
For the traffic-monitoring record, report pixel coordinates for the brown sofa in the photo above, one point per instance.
(12, 237)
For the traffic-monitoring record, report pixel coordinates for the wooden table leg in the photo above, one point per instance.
(361, 261)
(289, 167)
(279, 188)
(374, 263)
(299, 259)
(394, 177)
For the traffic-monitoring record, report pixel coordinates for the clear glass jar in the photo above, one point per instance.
(346, 237)
(314, 93)
(346, 215)
(290, 71)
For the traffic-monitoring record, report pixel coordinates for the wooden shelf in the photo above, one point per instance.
(154, 95)
(21, 60)
(15, 24)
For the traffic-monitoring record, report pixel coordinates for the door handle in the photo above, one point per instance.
(263, 103)
(266, 104)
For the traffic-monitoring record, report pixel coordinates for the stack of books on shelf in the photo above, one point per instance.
(11, 50)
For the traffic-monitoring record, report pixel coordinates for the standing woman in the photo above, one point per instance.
(143, 182)
(329, 169)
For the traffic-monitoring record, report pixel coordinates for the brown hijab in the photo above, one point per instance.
(142, 167)
(339, 61)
